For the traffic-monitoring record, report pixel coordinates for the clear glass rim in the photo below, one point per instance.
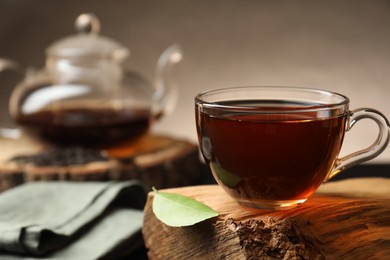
(340, 101)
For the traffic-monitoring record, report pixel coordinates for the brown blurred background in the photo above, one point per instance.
(341, 46)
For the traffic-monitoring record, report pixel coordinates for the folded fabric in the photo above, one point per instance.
(77, 220)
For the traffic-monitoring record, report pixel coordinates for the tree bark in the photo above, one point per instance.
(348, 219)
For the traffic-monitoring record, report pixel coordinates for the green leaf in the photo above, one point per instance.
(178, 211)
(229, 179)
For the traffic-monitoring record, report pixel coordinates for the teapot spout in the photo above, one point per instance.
(166, 93)
(7, 64)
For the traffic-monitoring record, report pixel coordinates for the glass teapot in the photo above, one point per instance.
(83, 94)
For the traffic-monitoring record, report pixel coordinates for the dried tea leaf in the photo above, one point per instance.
(178, 211)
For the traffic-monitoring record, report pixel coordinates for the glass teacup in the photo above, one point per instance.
(272, 147)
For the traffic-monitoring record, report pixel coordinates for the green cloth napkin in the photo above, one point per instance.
(75, 220)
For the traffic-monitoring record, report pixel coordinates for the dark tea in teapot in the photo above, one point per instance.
(88, 126)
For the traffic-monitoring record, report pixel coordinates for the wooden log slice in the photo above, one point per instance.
(348, 219)
(155, 160)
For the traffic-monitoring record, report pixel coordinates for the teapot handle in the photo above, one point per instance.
(166, 93)
(7, 64)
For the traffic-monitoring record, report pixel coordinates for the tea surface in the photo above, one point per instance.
(88, 126)
(281, 156)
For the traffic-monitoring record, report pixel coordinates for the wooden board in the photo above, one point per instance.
(155, 160)
(348, 219)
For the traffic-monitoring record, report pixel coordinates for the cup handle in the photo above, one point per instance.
(370, 152)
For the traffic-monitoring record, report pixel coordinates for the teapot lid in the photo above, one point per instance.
(88, 42)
